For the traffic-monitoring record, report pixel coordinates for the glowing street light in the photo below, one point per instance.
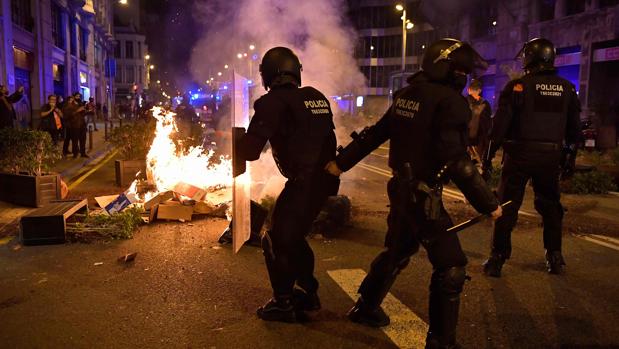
(239, 55)
(152, 67)
(252, 47)
(409, 25)
(226, 66)
(158, 81)
(406, 24)
(147, 57)
(123, 2)
(219, 74)
(245, 54)
(494, 23)
(399, 7)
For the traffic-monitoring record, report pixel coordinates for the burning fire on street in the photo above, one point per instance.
(179, 181)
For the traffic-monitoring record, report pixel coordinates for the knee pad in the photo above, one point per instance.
(448, 280)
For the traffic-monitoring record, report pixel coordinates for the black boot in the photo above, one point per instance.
(371, 316)
(494, 264)
(278, 309)
(306, 301)
(433, 343)
(445, 289)
(554, 262)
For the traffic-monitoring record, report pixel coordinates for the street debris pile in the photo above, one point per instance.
(180, 182)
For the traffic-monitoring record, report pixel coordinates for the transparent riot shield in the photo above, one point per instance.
(241, 221)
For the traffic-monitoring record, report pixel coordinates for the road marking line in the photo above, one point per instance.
(606, 239)
(377, 168)
(79, 180)
(407, 330)
(598, 242)
(446, 191)
(380, 155)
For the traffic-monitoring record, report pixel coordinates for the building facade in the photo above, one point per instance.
(585, 33)
(55, 47)
(131, 53)
(586, 36)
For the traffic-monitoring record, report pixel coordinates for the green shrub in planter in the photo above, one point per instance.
(133, 140)
(27, 151)
(593, 182)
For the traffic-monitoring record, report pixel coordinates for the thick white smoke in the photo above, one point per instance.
(317, 30)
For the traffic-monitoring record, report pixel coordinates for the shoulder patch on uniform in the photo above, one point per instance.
(518, 87)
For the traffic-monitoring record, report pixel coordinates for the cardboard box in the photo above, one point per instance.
(159, 198)
(103, 201)
(190, 191)
(121, 202)
(202, 207)
(173, 210)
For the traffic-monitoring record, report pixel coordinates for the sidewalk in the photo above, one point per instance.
(68, 168)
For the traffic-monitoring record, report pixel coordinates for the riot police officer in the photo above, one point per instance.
(427, 126)
(298, 123)
(538, 115)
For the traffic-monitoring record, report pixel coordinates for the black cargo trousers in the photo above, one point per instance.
(407, 229)
(289, 258)
(542, 168)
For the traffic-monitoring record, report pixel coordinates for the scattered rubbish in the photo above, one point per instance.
(17, 247)
(173, 210)
(129, 257)
(190, 191)
(103, 201)
(98, 263)
(216, 247)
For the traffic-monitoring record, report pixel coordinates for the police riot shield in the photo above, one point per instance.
(241, 224)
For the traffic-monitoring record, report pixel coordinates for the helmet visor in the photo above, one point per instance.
(467, 59)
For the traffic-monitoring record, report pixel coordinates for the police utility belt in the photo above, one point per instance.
(418, 192)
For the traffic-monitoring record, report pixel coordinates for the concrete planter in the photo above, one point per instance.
(127, 169)
(25, 190)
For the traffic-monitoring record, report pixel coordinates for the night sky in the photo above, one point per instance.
(171, 33)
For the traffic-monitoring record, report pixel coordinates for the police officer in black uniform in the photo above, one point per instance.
(537, 118)
(427, 126)
(298, 124)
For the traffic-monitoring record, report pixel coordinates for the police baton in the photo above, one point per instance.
(459, 227)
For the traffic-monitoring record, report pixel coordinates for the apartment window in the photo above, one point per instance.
(140, 75)
(546, 10)
(117, 49)
(484, 19)
(118, 78)
(128, 49)
(21, 14)
(139, 49)
(73, 33)
(57, 32)
(83, 38)
(575, 7)
(129, 75)
(608, 3)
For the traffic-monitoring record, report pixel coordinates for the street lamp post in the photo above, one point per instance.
(406, 24)
(403, 38)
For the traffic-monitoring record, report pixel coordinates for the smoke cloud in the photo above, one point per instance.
(316, 30)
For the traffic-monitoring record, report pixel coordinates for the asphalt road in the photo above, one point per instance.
(184, 290)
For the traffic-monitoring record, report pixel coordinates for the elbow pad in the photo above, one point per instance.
(466, 177)
(362, 145)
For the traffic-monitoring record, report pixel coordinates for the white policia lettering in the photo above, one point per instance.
(406, 108)
(549, 89)
(318, 107)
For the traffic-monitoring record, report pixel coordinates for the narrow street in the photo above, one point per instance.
(185, 290)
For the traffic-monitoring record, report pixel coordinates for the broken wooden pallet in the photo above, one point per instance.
(48, 225)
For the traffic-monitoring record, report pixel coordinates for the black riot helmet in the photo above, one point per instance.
(277, 62)
(537, 54)
(443, 57)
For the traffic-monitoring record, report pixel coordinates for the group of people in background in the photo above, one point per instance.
(66, 120)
